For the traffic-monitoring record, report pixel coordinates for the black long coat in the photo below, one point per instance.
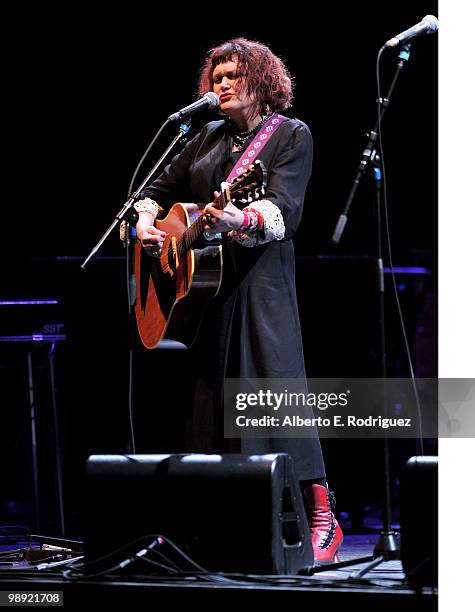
(252, 330)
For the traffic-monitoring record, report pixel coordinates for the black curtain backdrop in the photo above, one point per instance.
(87, 89)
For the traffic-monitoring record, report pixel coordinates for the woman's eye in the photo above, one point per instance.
(232, 76)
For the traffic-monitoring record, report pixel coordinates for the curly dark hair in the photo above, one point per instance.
(267, 78)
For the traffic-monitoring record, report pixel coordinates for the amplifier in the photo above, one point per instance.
(31, 320)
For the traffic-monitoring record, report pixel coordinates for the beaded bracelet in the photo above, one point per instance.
(246, 222)
(260, 218)
(256, 219)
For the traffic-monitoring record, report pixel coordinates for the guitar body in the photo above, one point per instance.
(173, 291)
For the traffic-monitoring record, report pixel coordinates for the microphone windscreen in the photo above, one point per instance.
(433, 22)
(213, 99)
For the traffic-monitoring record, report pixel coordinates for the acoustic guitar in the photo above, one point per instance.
(174, 289)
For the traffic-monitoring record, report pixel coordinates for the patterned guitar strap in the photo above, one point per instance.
(260, 140)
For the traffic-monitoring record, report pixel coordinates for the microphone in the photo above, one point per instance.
(208, 102)
(428, 25)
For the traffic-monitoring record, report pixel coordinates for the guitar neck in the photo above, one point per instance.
(197, 228)
(250, 185)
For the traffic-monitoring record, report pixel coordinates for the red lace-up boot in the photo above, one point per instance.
(327, 535)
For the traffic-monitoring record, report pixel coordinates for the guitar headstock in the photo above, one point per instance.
(250, 185)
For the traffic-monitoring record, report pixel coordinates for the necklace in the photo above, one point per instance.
(240, 138)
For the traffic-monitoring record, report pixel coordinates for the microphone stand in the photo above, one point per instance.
(387, 546)
(127, 210)
(370, 151)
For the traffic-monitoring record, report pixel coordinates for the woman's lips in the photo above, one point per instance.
(225, 98)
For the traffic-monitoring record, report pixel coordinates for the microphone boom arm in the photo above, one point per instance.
(127, 207)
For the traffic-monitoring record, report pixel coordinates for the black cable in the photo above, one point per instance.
(70, 575)
(127, 245)
(390, 256)
(113, 553)
(165, 558)
(77, 572)
(167, 568)
(131, 351)
(74, 574)
(127, 271)
(184, 555)
(144, 156)
(158, 540)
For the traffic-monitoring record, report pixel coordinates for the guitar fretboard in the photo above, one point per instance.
(196, 229)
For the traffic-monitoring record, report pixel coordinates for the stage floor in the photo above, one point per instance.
(384, 585)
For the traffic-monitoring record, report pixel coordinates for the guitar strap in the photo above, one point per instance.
(260, 140)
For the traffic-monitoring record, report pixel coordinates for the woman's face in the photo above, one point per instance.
(230, 85)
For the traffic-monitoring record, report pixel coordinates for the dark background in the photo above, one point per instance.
(86, 92)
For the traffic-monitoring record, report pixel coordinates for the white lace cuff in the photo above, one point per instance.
(273, 228)
(145, 205)
(148, 205)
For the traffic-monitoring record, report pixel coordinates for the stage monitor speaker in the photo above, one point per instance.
(419, 521)
(232, 513)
